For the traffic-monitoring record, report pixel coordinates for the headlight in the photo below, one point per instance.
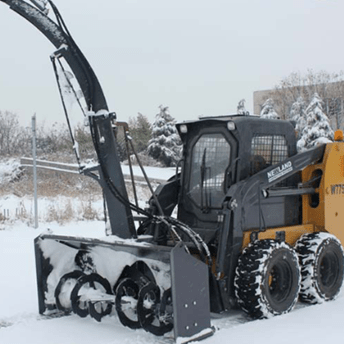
(183, 129)
(231, 125)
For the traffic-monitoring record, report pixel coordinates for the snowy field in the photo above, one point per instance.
(20, 322)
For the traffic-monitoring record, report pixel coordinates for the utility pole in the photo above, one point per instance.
(34, 168)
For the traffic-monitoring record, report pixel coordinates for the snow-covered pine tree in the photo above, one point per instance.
(268, 110)
(318, 129)
(165, 144)
(298, 115)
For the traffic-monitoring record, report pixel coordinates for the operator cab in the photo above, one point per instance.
(218, 152)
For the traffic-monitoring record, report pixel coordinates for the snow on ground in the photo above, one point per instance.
(9, 169)
(152, 172)
(20, 322)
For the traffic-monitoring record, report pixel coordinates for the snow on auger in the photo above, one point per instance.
(258, 224)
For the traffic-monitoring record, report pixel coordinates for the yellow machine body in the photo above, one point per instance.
(323, 210)
(326, 214)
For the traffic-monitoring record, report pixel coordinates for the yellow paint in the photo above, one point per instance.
(292, 234)
(338, 135)
(323, 211)
(329, 214)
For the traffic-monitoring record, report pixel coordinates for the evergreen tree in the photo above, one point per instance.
(140, 131)
(298, 115)
(317, 130)
(165, 145)
(329, 86)
(268, 110)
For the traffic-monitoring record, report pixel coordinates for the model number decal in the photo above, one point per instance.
(280, 171)
(337, 189)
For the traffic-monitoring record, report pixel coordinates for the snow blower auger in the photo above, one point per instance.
(258, 224)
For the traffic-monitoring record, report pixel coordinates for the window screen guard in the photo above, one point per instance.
(267, 150)
(273, 148)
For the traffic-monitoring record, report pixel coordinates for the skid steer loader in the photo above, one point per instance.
(258, 225)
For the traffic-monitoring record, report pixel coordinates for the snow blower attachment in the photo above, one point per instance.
(258, 225)
(137, 280)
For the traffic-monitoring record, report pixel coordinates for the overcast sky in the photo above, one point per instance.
(199, 57)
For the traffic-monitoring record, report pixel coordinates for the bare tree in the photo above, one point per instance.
(16, 140)
(140, 131)
(9, 133)
(53, 140)
(329, 87)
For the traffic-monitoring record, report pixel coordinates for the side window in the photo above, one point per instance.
(267, 150)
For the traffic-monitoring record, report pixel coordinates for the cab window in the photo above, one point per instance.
(209, 162)
(267, 150)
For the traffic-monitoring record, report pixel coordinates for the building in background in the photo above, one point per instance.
(332, 95)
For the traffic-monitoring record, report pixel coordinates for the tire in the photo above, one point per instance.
(267, 280)
(321, 259)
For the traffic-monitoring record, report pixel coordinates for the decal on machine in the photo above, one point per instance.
(337, 189)
(280, 171)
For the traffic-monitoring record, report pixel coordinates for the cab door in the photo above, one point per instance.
(206, 177)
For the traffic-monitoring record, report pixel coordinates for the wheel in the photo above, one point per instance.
(86, 287)
(99, 309)
(154, 315)
(322, 263)
(150, 309)
(64, 289)
(126, 301)
(267, 280)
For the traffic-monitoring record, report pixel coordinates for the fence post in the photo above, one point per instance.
(34, 168)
